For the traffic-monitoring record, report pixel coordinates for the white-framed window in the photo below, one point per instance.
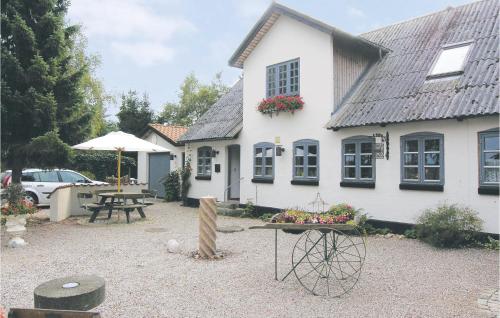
(451, 60)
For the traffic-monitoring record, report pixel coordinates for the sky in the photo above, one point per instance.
(151, 45)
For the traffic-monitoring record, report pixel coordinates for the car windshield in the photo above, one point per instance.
(71, 177)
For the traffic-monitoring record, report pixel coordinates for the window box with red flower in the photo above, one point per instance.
(280, 103)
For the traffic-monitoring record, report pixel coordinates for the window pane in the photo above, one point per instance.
(258, 152)
(431, 174)
(350, 172)
(28, 177)
(411, 146)
(349, 148)
(432, 159)
(492, 175)
(366, 147)
(299, 171)
(350, 160)
(299, 161)
(492, 158)
(299, 150)
(269, 152)
(258, 161)
(450, 60)
(48, 176)
(366, 160)
(312, 172)
(208, 162)
(208, 169)
(258, 171)
(366, 173)
(71, 177)
(411, 173)
(269, 171)
(431, 145)
(492, 143)
(312, 161)
(269, 161)
(411, 159)
(312, 150)
(200, 161)
(200, 170)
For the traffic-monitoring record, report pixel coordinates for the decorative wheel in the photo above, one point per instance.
(329, 262)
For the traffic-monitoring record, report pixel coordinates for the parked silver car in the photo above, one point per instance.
(39, 183)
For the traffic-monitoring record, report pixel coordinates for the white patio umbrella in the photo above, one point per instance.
(120, 141)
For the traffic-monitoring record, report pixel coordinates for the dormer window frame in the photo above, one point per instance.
(275, 71)
(469, 43)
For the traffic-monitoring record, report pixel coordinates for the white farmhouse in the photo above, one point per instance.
(394, 121)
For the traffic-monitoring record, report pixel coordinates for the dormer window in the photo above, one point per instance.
(283, 79)
(451, 60)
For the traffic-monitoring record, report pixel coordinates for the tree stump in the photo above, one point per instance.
(208, 227)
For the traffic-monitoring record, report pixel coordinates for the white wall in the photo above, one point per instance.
(219, 181)
(143, 159)
(290, 39)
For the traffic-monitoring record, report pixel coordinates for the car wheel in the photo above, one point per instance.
(31, 197)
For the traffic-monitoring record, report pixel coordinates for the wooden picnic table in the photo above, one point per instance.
(118, 201)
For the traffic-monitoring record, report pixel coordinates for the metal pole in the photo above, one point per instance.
(119, 166)
(276, 254)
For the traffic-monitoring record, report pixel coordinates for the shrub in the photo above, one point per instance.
(250, 210)
(101, 163)
(172, 186)
(448, 226)
(491, 244)
(16, 202)
(410, 233)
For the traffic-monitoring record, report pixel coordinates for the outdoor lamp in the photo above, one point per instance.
(279, 150)
(172, 157)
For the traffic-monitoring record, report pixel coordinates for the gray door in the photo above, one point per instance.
(234, 172)
(159, 168)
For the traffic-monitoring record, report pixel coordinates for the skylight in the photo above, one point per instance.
(451, 60)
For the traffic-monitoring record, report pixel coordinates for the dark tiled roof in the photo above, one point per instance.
(395, 89)
(223, 120)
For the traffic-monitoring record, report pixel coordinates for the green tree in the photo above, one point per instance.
(95, 96)
(135, 113)
(41, 93)
(195, 99)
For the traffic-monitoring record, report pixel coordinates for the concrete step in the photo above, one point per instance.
(230, 212)
(228, 204)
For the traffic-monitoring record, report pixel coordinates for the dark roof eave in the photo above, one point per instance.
(383, 124)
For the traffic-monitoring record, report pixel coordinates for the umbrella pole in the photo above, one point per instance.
(119, 165)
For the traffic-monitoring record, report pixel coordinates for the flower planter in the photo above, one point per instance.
(280, 103)
(15, 230)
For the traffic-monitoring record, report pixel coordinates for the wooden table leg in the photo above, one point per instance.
(127, 213)
(111, 208)
(140, 210)
(94, 215)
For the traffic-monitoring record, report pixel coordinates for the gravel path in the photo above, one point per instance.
(401, 278)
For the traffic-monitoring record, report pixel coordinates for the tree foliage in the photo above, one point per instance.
(101, 163)
(40, 82)
(135, 113)
(195, 99)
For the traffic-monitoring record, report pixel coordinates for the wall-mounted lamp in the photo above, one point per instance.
(172, 157)
(279, 150)
(215, 153)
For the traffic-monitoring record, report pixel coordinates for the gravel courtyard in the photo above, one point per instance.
(400, 278)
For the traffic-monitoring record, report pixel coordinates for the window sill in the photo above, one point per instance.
(357, 184)
(257, 180)
(421, 186)
(203, 177)
(305, 182)
(491, 190)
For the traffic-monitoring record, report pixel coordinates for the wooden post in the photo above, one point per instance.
(208, 227)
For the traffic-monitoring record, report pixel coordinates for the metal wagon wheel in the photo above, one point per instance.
(328, 262)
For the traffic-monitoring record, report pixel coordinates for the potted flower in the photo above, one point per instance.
(280, 103)
(14, 211)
